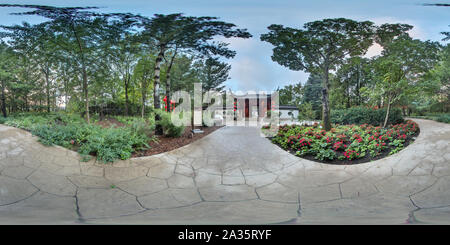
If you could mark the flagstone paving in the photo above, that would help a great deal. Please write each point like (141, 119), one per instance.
(232, 176)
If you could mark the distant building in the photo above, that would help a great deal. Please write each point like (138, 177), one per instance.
(257, 105)
(288, 112)
(252, 105)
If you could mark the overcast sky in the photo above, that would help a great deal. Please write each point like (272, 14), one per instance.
(252, 68)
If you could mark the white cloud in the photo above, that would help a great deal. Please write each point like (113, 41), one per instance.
(416, 32)
(373, 50)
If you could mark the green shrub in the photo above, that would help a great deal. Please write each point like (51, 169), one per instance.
(142, 127)
(169, 129)
(2, 120)
(29, 120)
(107, 144)
(445, 118)
(26, 122)
(55, 135)
(111, 144)
(71, 131)
(440, 117)
(361, 115)
(307, 112)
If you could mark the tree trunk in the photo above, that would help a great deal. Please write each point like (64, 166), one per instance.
(358, 84)
(126, 94)
(3, 100)
(348, 95)
(85, 80)
(325, 102)
(144, 86)
(143, 104)
(86, 94)
(169, 68)
(47, 80)
(387, 112)
(156, 98)
(66, 97)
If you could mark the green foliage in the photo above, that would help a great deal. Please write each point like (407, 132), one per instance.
(445, 118)
(312, 94)
(25, 122)
(320, 47)
(361, 115)
(213, 73)
(71, 131)
(169, 129)
(440, 117)
(107, 144)
(111, 144)
(306, 112)
(28, 121)
(2, 120)
(325, 154)
(290, 94)
(137, 124)
(348, 142)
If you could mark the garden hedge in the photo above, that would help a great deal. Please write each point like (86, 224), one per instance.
(361, 115)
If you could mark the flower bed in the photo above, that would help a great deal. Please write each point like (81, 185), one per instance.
(345, 144)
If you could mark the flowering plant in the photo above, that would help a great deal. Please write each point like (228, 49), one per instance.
(345, 142)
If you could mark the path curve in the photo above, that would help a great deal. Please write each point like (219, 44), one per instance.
(232, 176)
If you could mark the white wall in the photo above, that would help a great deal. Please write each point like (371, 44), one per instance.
(284, 114)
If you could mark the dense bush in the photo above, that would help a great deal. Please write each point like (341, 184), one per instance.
(71, 131)
(445, 118)
(440, 117)
(344, 142)
(169, 129)
(108, 144)
(137, 124)
(28, 121)
(306, 112)
(361, 115)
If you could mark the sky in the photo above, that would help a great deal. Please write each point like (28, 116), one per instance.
(252, 67)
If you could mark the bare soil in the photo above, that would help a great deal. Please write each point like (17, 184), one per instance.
(110, 122)
(164, 144)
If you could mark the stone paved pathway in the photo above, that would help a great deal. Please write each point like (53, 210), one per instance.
(232, 176)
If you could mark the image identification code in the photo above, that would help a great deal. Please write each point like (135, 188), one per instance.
(225, 235)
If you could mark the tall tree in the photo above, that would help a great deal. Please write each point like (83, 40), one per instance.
(213, 73)
(291, 94)
(319, 47)
(25, 41)
(403, 63)
(6, 72)
(143, 74)
(175, 32)
(351, 76)
(124, 55)
(77, 31)
(312, 93)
